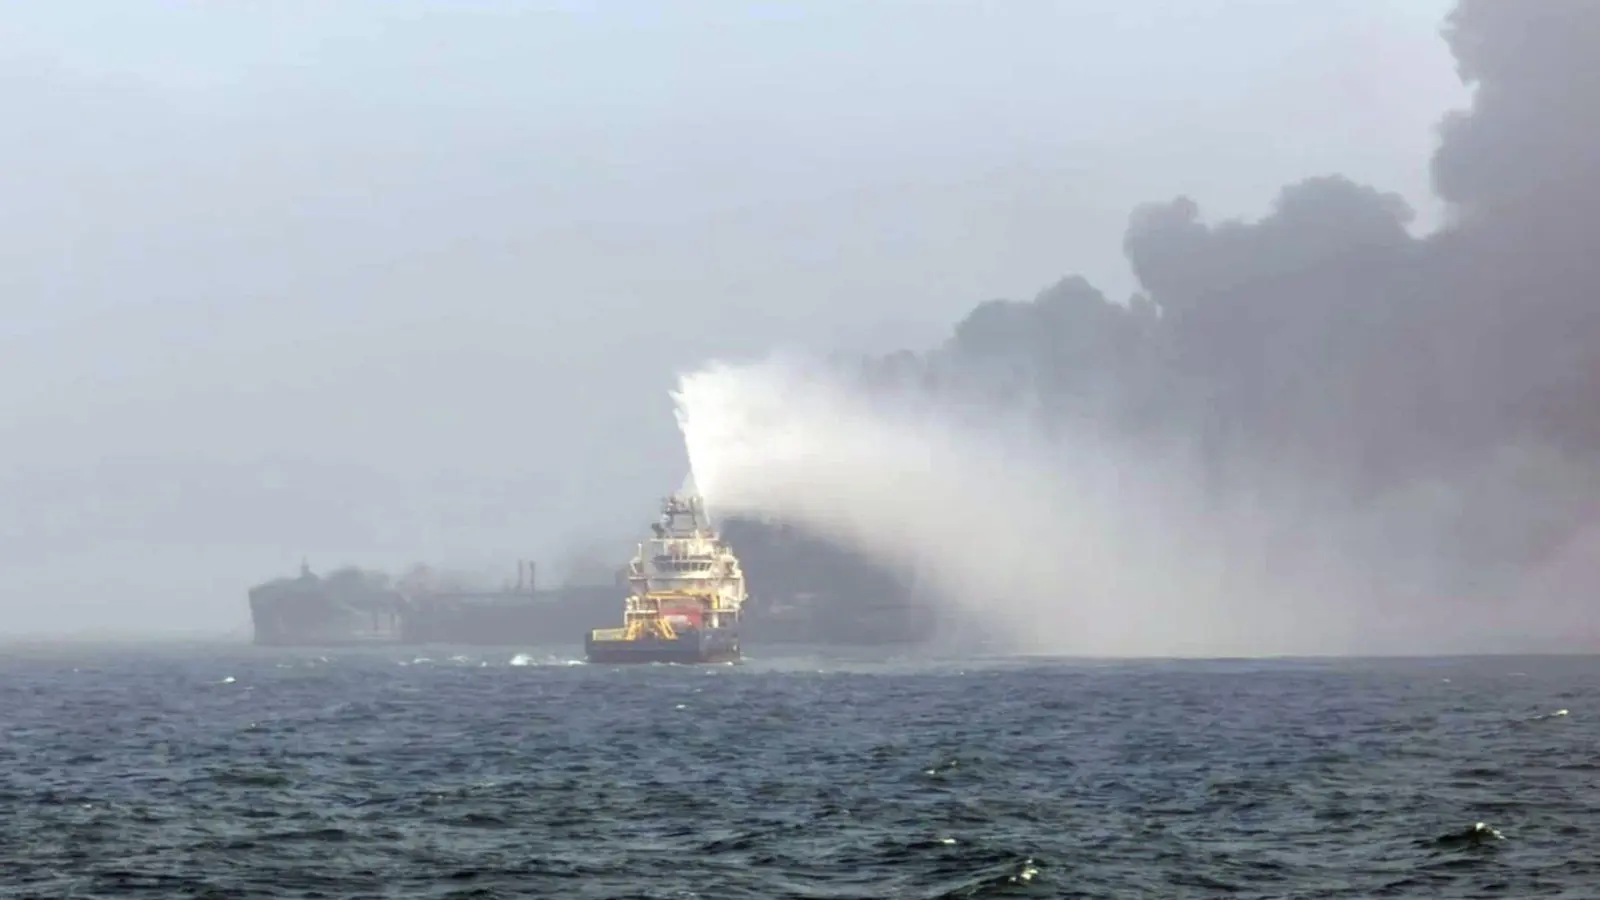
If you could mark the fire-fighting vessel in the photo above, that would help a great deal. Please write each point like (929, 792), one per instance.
(686, 593)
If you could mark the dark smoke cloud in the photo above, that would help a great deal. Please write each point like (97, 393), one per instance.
(1325, 332)
(1528, 140)
(1325, 340)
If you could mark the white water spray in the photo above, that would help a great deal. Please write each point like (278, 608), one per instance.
(1083, 549)
(1082, 545)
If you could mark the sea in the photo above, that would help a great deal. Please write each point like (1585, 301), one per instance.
(232, 771)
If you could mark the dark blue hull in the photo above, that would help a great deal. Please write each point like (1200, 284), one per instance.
(704, 645)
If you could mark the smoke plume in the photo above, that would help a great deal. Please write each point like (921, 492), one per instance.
(1309, 433)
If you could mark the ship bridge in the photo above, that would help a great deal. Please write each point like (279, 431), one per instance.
(685, 558)
(683, 517)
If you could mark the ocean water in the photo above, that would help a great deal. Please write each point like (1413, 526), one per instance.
(237, 772)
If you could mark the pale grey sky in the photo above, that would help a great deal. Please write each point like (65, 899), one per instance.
(395, 280)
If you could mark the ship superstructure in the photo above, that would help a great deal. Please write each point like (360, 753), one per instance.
(686, 594)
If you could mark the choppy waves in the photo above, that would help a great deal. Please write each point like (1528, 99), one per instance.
(476, 774)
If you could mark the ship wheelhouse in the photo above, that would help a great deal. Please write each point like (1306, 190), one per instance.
(684, 576)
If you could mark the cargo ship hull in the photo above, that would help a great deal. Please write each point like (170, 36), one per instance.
(688, 647)
(353, 607)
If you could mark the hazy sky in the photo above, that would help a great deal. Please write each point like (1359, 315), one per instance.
(392, 280)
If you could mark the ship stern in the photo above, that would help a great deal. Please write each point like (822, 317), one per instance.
(612, 646)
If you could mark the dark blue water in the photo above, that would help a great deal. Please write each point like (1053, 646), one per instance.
(230, 772)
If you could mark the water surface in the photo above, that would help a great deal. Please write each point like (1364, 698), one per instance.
(237, 772)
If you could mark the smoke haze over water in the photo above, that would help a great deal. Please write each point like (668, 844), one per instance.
(1310, 433)
(1074, 544)
(415, 301)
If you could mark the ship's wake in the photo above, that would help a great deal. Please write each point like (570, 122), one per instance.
(1081, 546)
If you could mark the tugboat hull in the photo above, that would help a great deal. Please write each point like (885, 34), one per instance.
(688, 647)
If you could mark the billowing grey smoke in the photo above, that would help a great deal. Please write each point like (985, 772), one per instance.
(1413, 424)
